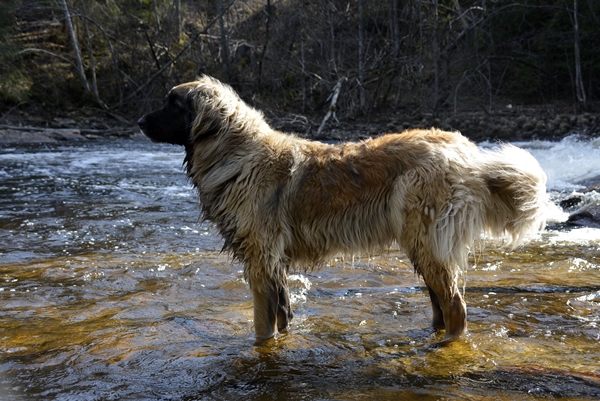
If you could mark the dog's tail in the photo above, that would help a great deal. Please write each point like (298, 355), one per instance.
(506, 199)
(518, 200)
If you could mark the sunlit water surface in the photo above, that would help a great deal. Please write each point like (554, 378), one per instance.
(111, 288)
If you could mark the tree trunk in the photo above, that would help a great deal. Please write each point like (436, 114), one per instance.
(579, 88)
(177, 20)
(333, 63)
(77, 53)
(268, 10)
(154, 6)
(361, 55)
(224, 39)
(94, 86)
(436, 58)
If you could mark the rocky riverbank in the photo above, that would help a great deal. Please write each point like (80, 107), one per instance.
(510, 125)
(32, 127)
(16, 134)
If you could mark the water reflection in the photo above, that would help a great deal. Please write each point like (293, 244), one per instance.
(110, 288)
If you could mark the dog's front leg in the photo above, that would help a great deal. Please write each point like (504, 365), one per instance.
(272, 308)
(266, 300)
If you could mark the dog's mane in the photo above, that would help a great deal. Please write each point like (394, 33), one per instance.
(223, 121)
(219, 109)
(229, 140)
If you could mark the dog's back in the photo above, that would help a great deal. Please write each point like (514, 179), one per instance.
(358, 196)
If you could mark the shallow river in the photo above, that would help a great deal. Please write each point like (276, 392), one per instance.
(112, 289)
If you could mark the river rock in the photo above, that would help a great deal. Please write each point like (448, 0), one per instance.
(591, 184)
(571, 202)
(588, 217)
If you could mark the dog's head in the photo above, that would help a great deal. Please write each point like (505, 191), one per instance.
(173, 122)
(193, 111)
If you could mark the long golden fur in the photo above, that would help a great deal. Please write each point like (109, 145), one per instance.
(282, 202)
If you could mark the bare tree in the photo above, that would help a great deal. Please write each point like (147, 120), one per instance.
(94, 83)
(436, 57)
(269, 10)
(224, 39)
(361, 54)
(74, 43)
(177, 20)
(579, 87)
(413, 56)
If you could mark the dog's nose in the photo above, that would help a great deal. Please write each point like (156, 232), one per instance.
(142, 122)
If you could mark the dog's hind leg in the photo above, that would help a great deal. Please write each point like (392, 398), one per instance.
(449, 309)
(438, 315)
(284, 308)
(455, 316)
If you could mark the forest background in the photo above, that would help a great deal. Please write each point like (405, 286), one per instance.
(501, 69)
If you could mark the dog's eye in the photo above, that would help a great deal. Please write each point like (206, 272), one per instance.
(176, 106)
(172, 99)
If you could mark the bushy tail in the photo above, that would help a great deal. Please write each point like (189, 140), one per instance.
(519, 201)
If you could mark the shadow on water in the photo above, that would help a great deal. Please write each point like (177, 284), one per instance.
(111, 289)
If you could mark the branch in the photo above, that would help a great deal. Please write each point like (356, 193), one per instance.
(185, 48)
(29, 50)
(332, 106)
(10, 111)
(510, 58)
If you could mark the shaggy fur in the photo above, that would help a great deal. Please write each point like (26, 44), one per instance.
(281, 202)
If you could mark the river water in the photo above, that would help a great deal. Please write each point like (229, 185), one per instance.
(111, 288)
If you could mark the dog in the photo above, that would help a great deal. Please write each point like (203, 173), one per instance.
(282, 202)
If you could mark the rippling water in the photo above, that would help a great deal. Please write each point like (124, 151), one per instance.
(111, 289)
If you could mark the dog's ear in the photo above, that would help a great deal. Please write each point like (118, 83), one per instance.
(205, 118)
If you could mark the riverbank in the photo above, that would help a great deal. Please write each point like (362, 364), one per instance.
(30, 134)
(509, 125)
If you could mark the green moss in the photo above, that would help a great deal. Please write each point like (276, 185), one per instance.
(14, 86)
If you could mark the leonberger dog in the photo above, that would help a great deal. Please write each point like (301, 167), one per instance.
(282, 202)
